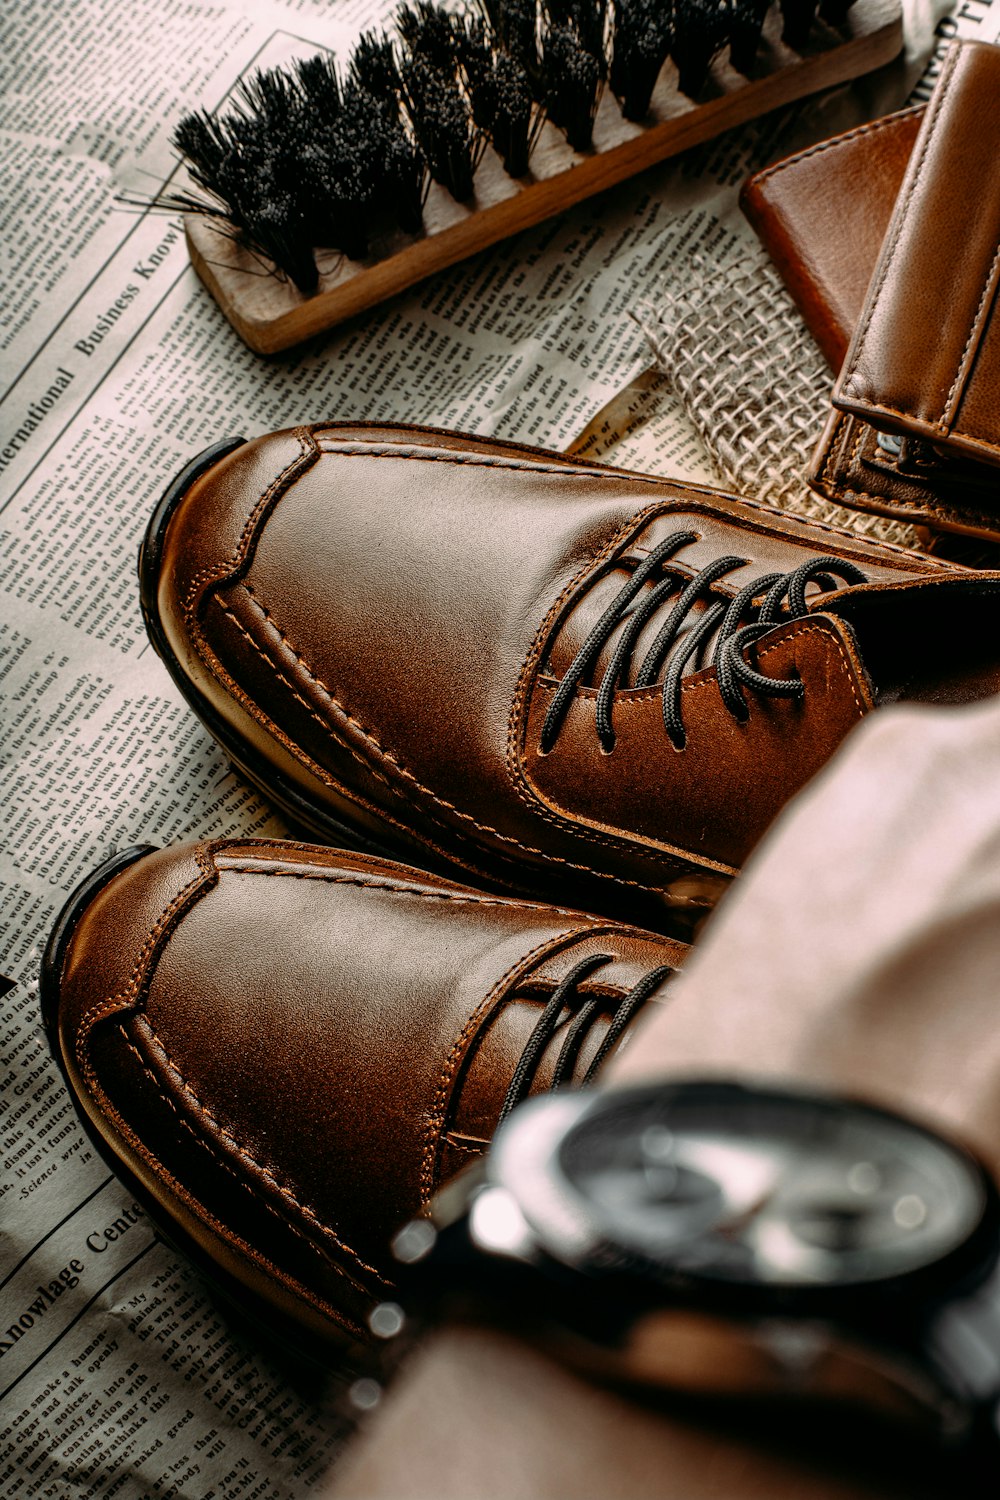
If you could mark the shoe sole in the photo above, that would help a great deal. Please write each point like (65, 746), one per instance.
(266, 1321)
(270, 782)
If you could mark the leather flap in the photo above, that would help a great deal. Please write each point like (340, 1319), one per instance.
(925, 358)
(823, 213)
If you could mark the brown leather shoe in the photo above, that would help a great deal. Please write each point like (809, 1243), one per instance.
(496, 658)
(284, 1049)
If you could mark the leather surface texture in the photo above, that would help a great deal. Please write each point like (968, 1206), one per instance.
(925, 357)
(383, 616)
(287, 1049)
(822, 215)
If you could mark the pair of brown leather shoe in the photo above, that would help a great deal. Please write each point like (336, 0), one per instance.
(581, 689)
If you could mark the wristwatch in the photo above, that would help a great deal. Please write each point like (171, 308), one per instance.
(727, 1240)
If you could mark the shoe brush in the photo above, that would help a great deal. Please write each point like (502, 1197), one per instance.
(325, 188)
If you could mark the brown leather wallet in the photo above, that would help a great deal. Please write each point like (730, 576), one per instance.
(915, 432)
(822, 215)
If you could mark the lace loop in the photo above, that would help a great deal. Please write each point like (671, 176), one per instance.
(782, 596)
(591, 648)
(566, 996)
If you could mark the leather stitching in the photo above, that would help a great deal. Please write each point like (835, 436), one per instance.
(409, 776)
(247, 1156)
(215, 572)
(703, 492)
(834, 480)
(439, 1099)
(483, 461)
(591, 925)
(947, 415)
(323, 723)
(939, 427)
(124, 998)
(872, 128)
(471, 899)
(891, 243)
(219, 1160)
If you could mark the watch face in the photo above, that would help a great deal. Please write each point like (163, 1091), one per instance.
(750, 1185)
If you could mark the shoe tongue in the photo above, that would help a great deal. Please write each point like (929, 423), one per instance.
(923, 638)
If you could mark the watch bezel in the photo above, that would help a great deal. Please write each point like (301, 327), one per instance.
(524, 1160)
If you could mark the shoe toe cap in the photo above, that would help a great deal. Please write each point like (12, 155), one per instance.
(206, 524)
(182, 1075)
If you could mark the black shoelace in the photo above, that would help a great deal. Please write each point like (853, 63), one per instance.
(566, 996)
(740, 621)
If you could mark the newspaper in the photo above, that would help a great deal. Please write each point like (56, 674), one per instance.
(121, 1374)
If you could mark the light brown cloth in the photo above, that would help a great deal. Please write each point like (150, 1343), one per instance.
(860, 949)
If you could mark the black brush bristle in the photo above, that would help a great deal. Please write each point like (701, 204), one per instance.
(745, 26)
(701, 30)
(572, 83)
(338, 178)
(588, 19)
(515, 23)
(271, 98)
(499, 93)
(476, 59)
(244, 165)
(406, 180)
(319, 83)
(274, 227)
(373, 83)
(643, 32)
(201, 139)
(373, 68)
(255, 180)
(798, 16)
(335, 172)
(442, 124)
(317, 154)
(516, 121)
(429, 32)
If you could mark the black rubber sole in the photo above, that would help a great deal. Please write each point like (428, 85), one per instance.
(275, 1327)
(270, 782)
(54, 955)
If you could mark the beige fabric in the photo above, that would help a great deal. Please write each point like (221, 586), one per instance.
(861, 947)
(733, 346)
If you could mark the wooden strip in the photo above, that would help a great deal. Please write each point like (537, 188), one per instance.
(270, 314)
